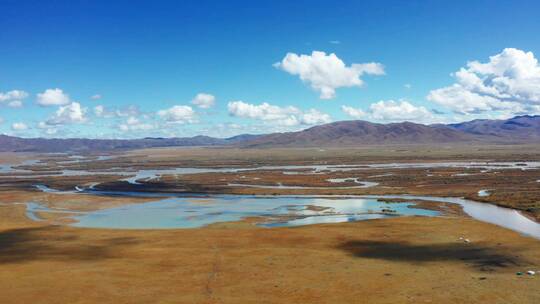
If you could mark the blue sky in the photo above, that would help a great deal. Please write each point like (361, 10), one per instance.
(135, 68)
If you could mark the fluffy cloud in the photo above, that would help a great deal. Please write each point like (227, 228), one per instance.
(13, 98)
(47, 129)
(99, 111)
(399, 111)
(392, 111)
(134, 124)
(353, 112)
(51, 131)
(15, 104)
(178, 114)
(133, 119)
(129, 111)
(69, 114)
(263, 111)
(13, 95)
(204, 101)
(53, 97)
(19, 126)
(509, 82)
(284, 116)
(325, 73)
(314, 117)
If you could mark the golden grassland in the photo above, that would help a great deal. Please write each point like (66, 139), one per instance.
(398, 260)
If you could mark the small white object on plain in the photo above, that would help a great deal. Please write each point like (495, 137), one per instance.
(530, 272)
(467, 241)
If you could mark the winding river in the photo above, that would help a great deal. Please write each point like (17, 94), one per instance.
(181, 211)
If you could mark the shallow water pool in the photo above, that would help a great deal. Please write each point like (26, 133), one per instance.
(282, 211)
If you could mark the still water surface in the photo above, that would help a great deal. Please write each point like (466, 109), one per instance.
(278, 211)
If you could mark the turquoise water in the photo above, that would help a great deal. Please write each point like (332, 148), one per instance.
(276, 211)
(483, 192)
(280, 211)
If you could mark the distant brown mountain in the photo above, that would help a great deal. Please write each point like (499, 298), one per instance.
(17, 144)
(358, 133)
(520, 129)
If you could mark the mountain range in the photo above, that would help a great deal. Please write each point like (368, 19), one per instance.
(17, 144)
(520, 129)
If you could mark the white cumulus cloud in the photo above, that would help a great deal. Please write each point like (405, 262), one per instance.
(204, 100)
(53, 97)
(314, 117)
(47, 129)
(326, 73)
(70, 114)
(13, 98)
(15, 104)
(508, 82)
(135, 124)
(19, 126)
(13, 95)
(99, 111)
(264, 111)
(51, 131)
(128, 111)
(178, 114)
(353, 112)
(391, 111)
(284, 116)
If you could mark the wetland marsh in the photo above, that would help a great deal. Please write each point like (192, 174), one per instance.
(351, 212)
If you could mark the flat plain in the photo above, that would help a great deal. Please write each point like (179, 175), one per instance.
(411, 259)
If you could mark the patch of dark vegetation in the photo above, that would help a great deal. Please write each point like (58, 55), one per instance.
(156, 186)
(477, 256)
(43, 243)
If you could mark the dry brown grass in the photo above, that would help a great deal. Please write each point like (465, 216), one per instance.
(399, 260)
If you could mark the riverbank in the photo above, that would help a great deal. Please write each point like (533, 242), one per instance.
(509, 172)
